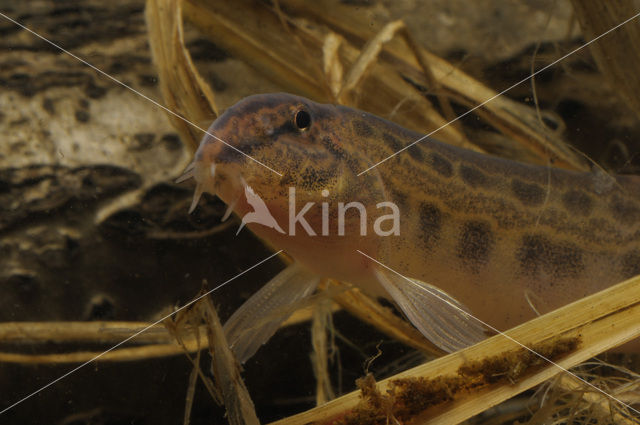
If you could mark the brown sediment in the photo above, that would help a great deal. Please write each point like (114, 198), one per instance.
(408, 397)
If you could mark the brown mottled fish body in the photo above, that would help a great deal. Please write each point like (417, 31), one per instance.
(497, 235)
(490, 231)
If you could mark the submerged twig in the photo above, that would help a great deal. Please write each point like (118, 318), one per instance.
(323, 348)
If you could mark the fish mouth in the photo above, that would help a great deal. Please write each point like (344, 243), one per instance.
(205, 177)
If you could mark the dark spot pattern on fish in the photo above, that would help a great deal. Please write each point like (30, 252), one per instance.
(475, 244)
(362, 129)
(473, 177)
(529, 194)
(391, 141)
(539, 255)
(430, 223)
(577, 202)
(441, 165)
(631, 264)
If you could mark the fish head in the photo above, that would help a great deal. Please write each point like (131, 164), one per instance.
(292, 153)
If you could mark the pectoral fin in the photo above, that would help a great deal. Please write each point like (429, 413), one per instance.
(261, 315)
(437, 315)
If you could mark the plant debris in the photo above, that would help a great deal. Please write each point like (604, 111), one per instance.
(408, 397)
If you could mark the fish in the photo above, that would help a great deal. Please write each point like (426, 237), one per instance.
(260, 212)
(448, 234)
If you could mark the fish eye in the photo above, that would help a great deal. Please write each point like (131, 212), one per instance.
(302, 120)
